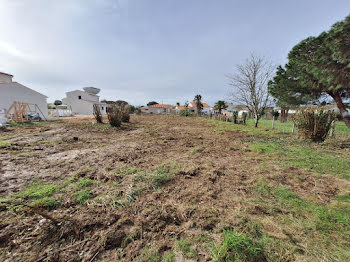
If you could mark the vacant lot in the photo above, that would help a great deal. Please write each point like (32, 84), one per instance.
(169, 188)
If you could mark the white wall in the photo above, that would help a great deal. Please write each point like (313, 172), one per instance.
(15, 92)
(84, 105)
(74, 95)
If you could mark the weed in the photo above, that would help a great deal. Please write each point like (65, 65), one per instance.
(160, 178)
(150, 256)
(170, 257)
(46, 202)
(84, 182)
(126, 171)
(185, 245)
(238, 247)
(37, 191)
(262, 187)
(4, 144)
(82, 196)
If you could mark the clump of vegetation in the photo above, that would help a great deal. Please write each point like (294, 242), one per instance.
(82, 196)
(238, 247)
(314, 123)
(125, 113)
(185, 245)
(115, 116)
(84, 182)
(37, 191)
(48, 202)
(97, 114)
(185, 113)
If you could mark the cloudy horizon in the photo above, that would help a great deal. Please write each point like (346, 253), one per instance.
(140, 51)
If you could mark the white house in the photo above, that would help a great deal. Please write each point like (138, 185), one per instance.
(15, 92)
(158, 109)
(207, 109)
(82, 102)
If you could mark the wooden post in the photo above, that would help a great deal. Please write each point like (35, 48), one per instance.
(273, 122)
(331, 131)
(293, 128)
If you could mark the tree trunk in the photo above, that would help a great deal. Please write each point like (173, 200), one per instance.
(256, 121)
(284, 114)
(343, 111)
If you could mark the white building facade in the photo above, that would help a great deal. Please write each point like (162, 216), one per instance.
(15, 92)
(82, 102)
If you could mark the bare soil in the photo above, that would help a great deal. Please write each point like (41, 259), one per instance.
(215, 172)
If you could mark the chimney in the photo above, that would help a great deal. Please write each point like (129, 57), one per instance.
(5, 78)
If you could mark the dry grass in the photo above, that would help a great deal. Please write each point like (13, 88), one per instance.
(167, 188)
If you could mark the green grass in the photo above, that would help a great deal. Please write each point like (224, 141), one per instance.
(4, 144)
(48, 202)
(82, 196)
(237, 246)
(84, 182)
(185, 246)
(306, 157)
(160, 178)
(286, 127)
(37, 191)
(126, 171)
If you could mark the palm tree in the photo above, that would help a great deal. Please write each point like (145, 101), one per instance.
(220, 105)
(198, 101)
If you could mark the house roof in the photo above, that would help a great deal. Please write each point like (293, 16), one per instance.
(81, 91)
(161, 106)
(180, 107)
(9, 85)
(193, 104)
(2, 73)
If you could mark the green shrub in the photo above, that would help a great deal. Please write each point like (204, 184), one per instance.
(185, 113)
(238, 247)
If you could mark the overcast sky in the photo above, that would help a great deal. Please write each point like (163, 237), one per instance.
(143, 50)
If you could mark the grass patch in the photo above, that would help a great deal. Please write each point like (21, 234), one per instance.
(160, 178)
(237, 246)
(37, 191)
(185, 246)
(84, 182)
(47, 202)
(4, 144)
(309, 158)
(83, 196)
(126, 171)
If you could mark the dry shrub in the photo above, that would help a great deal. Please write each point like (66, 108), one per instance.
(114, 116)
(314, 123)
(97, 114)
(125, 109)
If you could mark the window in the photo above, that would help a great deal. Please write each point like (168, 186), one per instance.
(79, 97)
(102, 108)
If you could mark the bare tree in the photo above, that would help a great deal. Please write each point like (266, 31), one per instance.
(250, 85)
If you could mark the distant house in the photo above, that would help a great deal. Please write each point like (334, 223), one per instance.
(159, 109)
(82, 102)
(207, 109)
(232, 108)
(15, 92)
(178, 108)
